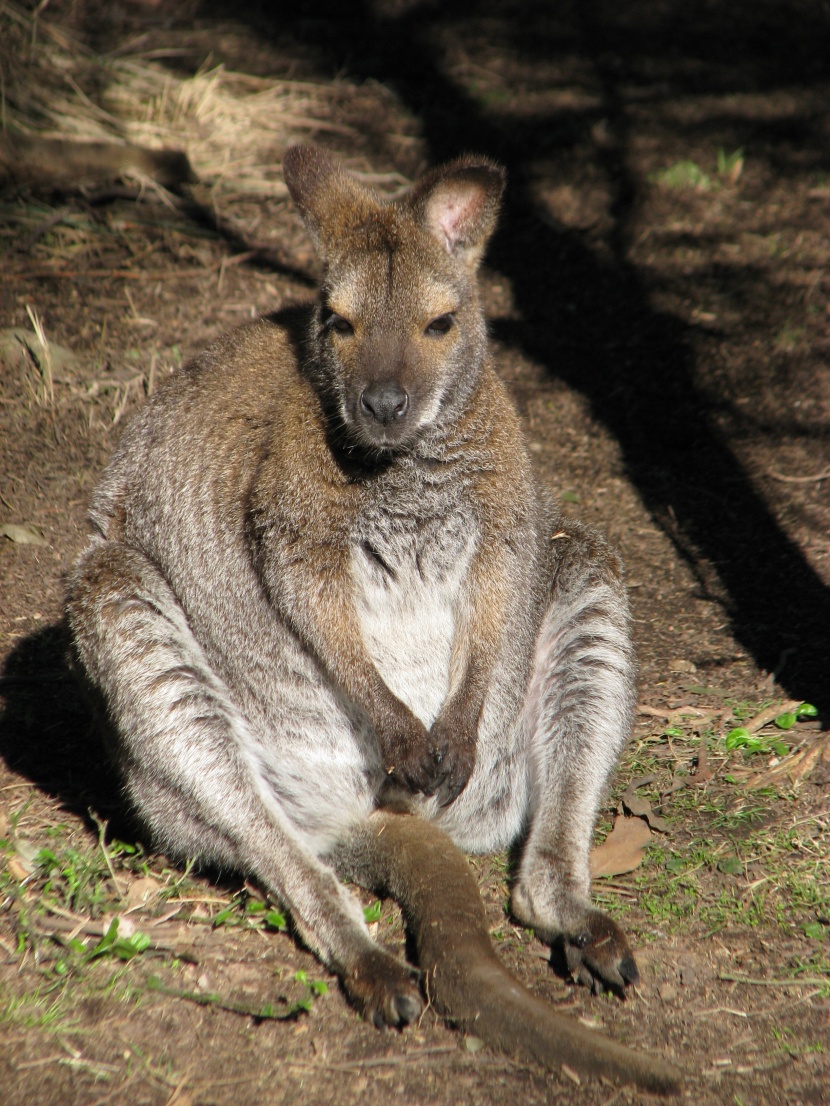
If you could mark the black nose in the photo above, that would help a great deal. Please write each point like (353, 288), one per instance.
(384, 402)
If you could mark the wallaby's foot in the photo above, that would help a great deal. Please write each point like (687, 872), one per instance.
(597, 953)
(385, 990)
(594, 947)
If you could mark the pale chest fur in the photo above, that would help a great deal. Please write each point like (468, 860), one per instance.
(409, 580)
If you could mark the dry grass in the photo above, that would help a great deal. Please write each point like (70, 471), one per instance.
(234, 127)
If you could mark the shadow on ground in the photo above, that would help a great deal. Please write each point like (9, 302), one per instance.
(48, 734)
(587, 316)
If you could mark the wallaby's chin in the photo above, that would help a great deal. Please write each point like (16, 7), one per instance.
(374, 438)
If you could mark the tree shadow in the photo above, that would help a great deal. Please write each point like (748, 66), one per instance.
(48, 734)
(586, 316)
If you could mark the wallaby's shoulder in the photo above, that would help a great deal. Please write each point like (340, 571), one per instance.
(215, 419)
(254, 367)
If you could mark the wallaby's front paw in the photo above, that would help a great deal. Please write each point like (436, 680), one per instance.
(456, 755)
(409, 754)
(384, 990)
(598, 955)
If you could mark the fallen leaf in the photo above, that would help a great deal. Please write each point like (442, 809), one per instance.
(22, 533)
(641, 808)
(141, 893)
(18, 347)
(681, 665)
(622, 849)
(473, 1044)
(27, 854)
(17, 869)
(702, 773)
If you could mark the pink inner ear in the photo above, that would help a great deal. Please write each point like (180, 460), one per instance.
(454, 212)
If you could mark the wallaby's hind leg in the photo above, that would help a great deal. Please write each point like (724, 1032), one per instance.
(578, 713)
(196, 773)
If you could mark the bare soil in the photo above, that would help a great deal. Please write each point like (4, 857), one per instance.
(659, 296)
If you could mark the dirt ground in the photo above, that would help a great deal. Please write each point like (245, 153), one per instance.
(659, 296)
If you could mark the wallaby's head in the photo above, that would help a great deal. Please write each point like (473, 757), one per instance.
(399, 336)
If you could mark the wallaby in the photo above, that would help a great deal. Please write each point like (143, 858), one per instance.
(340, 630)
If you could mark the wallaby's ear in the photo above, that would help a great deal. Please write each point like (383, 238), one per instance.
(458, 204)
(329, 199)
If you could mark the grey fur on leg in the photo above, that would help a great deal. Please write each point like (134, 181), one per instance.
(578, 712)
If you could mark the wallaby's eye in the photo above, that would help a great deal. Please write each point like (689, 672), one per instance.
(441, 325)
(338, 323)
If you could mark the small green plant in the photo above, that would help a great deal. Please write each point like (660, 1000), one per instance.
(684, 175)
(124, 948)
(730, 166)
(372, 913)
(316, 987)
(741, 738)
(250, 913)
(789, 337)
(77, 878)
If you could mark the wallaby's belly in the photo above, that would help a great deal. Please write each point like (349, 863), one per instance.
(408, 600)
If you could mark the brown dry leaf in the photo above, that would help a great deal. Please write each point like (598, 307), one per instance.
(703, 773)
(142, 893)
(20, 348)
(22, 533)
(17, 869)
(641, 808)
(622, 849)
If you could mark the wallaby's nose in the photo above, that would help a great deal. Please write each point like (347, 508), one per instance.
(384, 402)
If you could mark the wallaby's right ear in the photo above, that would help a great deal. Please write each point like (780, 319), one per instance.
(458, 204)
(329, 199)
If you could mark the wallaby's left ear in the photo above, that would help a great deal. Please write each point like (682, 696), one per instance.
(329, 199)
(459, 203)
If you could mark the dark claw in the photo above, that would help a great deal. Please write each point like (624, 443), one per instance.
(408, 1008)
(449, 791)
(597, 954)
(628, 970)
(386, 990)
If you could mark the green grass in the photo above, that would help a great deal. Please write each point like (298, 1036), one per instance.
(748, 858)
(39, 1009)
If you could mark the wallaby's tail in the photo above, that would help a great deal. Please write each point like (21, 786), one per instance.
(418, 865)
